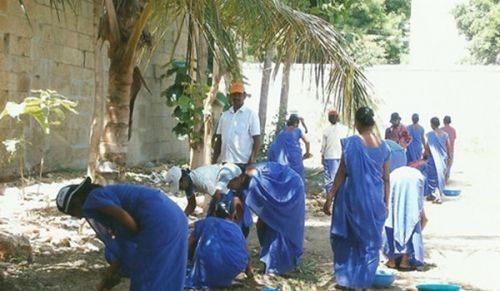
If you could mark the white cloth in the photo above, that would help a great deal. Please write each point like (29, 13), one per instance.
(237, 130)
(205, 178)
(330, 143)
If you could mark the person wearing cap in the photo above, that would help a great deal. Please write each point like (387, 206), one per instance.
(143, 232)
(238, 131)
(286, 148)
(415, 148)
(397, 132)
(200, 180)
(275, 193)
(452, 135)
(217, 250)
(331, 149)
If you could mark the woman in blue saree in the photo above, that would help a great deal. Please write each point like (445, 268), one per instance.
(218, 250)
(436, 151)
(275, 193)
(361, 192)
(416, 146)
(403, 242)
(286, 149)
(142, 229)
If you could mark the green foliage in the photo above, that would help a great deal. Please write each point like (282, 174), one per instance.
(47, 109)
(187, 98)
(376, 30)
(479, 21)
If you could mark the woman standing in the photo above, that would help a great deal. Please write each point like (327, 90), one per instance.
(286, 148)
(436, 151)
(142, 229)
(361, 192)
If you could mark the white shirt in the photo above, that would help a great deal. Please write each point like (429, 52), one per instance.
(204, 178)
(237, 130)
(330, 143)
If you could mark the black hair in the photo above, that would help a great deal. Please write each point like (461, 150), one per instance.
(414, 116)
(292, 120)
(222, 210)
(447, 119)
(365, 116)
(333, 119)
(435, 122)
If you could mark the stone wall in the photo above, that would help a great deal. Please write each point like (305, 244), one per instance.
(56, 52)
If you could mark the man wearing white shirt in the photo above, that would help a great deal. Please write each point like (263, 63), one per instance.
(238, 131)
(210, 180)
(331, 149)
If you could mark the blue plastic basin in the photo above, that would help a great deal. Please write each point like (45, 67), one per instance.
(451, 192)
(438, 287)
(383, 278)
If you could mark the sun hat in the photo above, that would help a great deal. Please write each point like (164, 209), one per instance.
(67, 193)
(228, 172)
(395, 116)
(174, 175)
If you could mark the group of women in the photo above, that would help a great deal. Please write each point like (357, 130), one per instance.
(146, 234)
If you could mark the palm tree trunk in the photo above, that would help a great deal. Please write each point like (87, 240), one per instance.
(114, 141)
(97, 119)
(264, 89)
(285, 87)
(122, 52)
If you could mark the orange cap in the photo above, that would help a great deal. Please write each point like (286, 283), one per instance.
(237, 87)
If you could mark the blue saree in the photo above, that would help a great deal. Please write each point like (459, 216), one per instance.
(414, 149)
(220, 254)
(402, 233)
(359, 214)
(286, 150)
(437, 162)
(398, 155)
(276, 194)
(160, 258)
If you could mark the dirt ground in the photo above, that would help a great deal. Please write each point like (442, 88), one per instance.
(462, 239)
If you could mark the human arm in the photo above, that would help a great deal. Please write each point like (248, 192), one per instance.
(110, 277)
(121, 215)
(387, 183)
(387, 133)
(303, 124)
(191, 205)
(237, 215)
(255, 149)
(217, 148)
(308, 147)
(423, 220)
(337, 182)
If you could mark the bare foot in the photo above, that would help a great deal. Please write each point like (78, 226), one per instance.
(391, 264)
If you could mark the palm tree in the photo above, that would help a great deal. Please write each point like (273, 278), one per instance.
(126, 24)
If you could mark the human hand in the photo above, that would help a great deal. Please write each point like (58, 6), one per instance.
(307, 156)
(327, 207)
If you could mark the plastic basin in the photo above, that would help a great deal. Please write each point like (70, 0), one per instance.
(383, 278)
(451, 192)
(438, 287)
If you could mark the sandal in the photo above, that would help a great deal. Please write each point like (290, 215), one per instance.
(437, 201)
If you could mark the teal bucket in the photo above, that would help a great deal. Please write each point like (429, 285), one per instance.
(438, 287)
